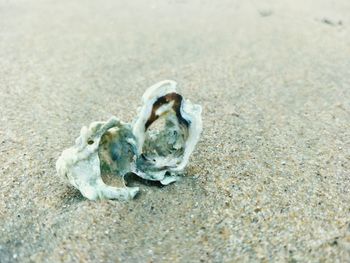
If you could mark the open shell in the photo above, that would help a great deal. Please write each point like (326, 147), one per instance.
(163, 154)
(121, 148)
(80, 164)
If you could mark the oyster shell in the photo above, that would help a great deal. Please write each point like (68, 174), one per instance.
(80, 164)
(163, 154)
(120, 148)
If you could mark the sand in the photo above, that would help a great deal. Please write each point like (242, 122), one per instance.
(270, 178)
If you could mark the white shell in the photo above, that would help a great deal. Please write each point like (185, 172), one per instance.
(80, 164)
(188, 111)
(122, 148)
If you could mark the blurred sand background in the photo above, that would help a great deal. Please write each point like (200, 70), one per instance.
(270, 178)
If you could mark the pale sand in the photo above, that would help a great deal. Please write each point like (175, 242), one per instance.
(270, 178)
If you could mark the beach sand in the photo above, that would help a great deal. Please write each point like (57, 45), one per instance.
(270, 178)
